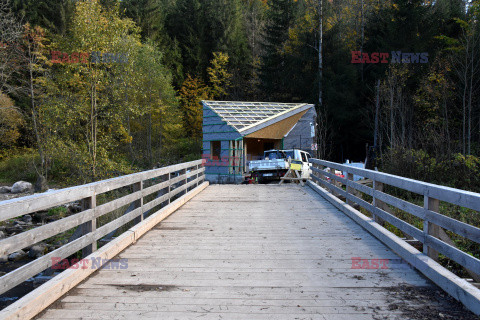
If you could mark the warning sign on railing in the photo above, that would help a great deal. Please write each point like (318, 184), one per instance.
(314, 146)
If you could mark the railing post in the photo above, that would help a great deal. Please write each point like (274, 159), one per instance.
(377, 186)
(186, 181)
(350, 189)
(332, 181)
(89, 226)
(139, 203)
(430, 228)
(169, 186)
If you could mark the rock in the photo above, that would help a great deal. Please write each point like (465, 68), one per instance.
(5, 189)
(27, 218)
(2, 235)
(37, 250)
(4, 258)
(16, 255)
(41, 184)
(21, 186)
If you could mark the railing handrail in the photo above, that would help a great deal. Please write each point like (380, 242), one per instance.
(41, 201)
(432, 235)
(429, 213)
(455, 196)
(192, 174)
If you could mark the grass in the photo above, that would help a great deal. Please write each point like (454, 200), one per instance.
(57, 212)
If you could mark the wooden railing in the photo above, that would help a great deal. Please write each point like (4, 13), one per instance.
(158, 187)
(433, 236)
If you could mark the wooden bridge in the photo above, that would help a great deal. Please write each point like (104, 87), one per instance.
(188, 250)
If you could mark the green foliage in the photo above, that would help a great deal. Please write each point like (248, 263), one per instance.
(460, 171)
(274, 80)
(50, 14)
(218, 76)
(97, 120)
(192, 92)
(16, 165)
(57, 212)
(11, 121)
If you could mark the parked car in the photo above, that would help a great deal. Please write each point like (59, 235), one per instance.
(275, 164)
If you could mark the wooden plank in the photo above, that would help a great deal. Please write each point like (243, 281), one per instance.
(350, 189)
(117, 203)
(17, 207)
(445, 238)
(453, 285)
(459, 197)
(429, 228)
(29, 270)
(401, 204)
(330, 186)
(89, 226)
(29, 237)
(275, 267)
(37, 300)
(458, 227)
(331, 175)
(396, 222)
(457, 255)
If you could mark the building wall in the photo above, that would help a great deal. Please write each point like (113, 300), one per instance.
(300, 136)
(216, 129)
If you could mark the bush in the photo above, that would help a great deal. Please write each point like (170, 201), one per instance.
(462, 172)
(19, 165)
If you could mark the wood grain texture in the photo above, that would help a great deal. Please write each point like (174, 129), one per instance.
(37, 300)
(449, 282)
(245, 252)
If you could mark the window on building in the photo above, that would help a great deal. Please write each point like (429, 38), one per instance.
(215, 149)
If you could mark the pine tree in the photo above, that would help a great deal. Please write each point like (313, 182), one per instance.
(274, 62)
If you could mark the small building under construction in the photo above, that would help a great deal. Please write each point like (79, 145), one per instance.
(235, 133)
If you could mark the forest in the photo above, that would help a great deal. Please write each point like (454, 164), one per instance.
(97, 88)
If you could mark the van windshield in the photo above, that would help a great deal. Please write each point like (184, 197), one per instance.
(272, 155)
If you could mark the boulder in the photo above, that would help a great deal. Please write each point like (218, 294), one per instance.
(37, 250)
(21, 186)
(16, 255)
(4, 258)
(5, 189)
(2, 235)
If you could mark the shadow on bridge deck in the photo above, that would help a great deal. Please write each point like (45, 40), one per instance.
(257, 252)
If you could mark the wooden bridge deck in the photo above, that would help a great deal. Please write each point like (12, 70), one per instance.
(247, 252)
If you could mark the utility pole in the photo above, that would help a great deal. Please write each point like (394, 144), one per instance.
(320, 117)
(363, 35)
(377, 107)
(320, 58)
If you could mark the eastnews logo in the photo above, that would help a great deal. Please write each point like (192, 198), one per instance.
(394, 56)
(93, 263)
(85, 57)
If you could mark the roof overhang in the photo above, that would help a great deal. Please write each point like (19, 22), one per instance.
(280, 117)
